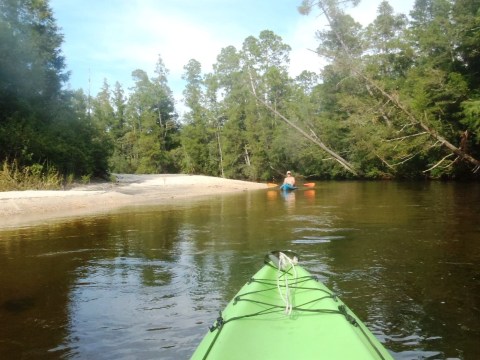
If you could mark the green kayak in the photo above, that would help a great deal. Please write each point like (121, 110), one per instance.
(284, 312)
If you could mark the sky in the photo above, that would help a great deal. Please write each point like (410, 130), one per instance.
(109, 39)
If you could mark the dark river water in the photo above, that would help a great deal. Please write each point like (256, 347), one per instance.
(146, 282)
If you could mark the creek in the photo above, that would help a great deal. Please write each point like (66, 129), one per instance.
(145, 282)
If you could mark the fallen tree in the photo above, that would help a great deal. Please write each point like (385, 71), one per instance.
(329, 9)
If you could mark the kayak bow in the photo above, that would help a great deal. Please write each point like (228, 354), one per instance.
(283, 312)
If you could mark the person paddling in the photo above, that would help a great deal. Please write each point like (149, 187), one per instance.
(289, 181)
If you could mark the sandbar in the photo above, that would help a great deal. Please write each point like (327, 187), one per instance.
(20, 208)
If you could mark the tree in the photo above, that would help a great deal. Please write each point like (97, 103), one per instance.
(231, 87)
(265, 69)
(39, 122)
(418, 109)
(196, 135)
(120, 160)
(31, 74)
(152, 123)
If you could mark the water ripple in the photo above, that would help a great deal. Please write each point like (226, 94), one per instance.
(316, 240)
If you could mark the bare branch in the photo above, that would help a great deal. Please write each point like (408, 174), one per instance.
(314, 138)
(407, 159)
(438, 163)
(384, 161)
(406, 137)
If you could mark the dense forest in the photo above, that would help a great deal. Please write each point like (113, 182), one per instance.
(398, 99)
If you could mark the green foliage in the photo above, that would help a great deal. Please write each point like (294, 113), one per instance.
(39, 122)
(388, 97)
(141, 130)
(86, 179)
(197, 136)
(35, 177)
(471, 119)
(400, 88)
(397, 99)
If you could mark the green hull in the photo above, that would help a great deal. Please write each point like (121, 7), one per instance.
(254, 325)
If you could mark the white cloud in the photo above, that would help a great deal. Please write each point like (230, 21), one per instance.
(134, 37)
(301, 38)
(172, 35)
(112, 38)
(366, 11)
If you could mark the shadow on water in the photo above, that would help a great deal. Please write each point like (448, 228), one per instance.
(17, 305)
(146, 282)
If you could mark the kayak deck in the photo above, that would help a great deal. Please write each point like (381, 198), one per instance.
(288, 187)
(256, 323)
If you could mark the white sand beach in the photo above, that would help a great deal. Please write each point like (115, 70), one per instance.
(19, 208)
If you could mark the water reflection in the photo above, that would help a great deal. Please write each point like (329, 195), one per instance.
(289, 199)
(272, 195)
(146, 282)
(310, 195)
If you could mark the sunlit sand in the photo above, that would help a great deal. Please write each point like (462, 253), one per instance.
(23, 207)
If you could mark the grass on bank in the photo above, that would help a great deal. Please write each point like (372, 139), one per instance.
(34, 177)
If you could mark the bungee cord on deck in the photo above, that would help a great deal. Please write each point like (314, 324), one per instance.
(287, 283)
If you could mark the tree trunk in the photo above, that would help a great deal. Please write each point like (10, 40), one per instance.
(220, 152)
(313, 138)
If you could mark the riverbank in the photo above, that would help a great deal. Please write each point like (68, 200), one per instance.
(18, 208)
